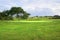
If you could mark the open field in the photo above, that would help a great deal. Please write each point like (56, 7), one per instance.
(36, 30)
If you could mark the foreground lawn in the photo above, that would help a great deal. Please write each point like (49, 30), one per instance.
(30, 30)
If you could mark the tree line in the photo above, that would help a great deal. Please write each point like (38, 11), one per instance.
(17, 12)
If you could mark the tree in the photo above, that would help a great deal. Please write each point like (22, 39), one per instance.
(56, 17)
(18, 11)
(25, 15)
(0, 15)
(6, 15)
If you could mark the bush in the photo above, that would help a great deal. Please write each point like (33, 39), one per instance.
(56, 17)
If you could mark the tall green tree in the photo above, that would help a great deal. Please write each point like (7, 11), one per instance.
(18, 11)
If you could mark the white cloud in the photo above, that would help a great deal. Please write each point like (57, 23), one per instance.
(53, 5)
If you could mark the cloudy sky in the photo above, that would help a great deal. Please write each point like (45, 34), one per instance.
(34, 7)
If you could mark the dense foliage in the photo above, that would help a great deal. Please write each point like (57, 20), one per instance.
(56, 17)
(17, 11)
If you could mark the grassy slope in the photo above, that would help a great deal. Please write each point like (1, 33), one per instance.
(30, 31)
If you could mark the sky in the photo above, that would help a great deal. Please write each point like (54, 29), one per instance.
(34, 7)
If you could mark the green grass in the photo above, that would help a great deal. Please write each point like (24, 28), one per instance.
(30, 30)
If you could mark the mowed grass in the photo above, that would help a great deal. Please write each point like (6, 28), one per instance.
(30, 30)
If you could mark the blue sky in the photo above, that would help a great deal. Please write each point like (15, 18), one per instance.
(34, 7)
